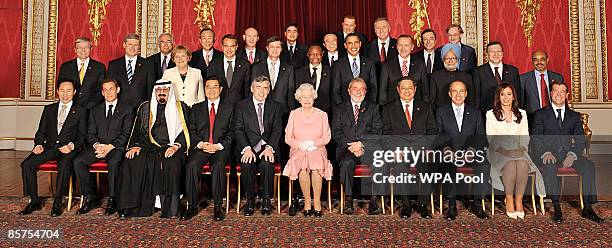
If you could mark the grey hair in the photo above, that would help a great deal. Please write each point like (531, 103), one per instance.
(260, 79)
(357, 79)
(303, 88)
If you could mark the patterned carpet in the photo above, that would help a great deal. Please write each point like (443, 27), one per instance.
(360, 230)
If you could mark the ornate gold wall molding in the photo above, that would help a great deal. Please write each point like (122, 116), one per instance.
(604, 49)
(419, 12)
(52, 48)
(456, 11)
(529, 10)
(24, 48)
(469, 22)
(589, 51)
(205, 10)
(575, 49)
(97, 14)
(139, 18)
(485, 29)
(153, 18)
(37, 47)
(167, 25)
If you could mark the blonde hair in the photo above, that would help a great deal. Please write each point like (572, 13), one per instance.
(303, 88)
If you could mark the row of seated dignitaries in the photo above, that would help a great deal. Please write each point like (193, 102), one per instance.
(146, 151)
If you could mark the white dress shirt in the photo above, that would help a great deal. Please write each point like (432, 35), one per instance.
(319, 69)
(500, 69)
(410, 107)
(84, 62)
(114, 103)
(455, 109)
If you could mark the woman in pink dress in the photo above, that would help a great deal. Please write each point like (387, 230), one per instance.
(307, 133)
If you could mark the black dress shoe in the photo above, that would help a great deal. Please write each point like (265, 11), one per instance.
(266, 207)
(451, 213)
(31, 207)
(318, 214)
(249, 209)
(295, 207)
(477, 210)
(110, 207)
(348, 209)
(557, 217)
(56, 210)
(88, 205)
(189, 213)
(308, 213)
(123, 215)
(373, 209)
(219, 215)
(425, 214)
(406, 211)
(591, 215)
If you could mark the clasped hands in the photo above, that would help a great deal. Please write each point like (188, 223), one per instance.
(101, 150)
(356, 148)
(307, 145)
(249, 155)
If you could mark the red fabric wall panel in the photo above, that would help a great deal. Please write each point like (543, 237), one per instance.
(550, 34)
(187, 33)
(10, 30)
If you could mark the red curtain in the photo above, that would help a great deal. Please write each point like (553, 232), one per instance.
(314, 17)
(187, 33)
(10, 31)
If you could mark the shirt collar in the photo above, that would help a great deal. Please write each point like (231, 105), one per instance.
(500, 65)
(255, 101)
(408, 102)
(225, 59)
(462, 106)
(270, 61)
(310, 65)
(401, 60)
(68, 105)
(354, 103)
(114, 103)
(79, 61)
(127, 59)
(537, 73)
(385, 41)
(351, 58)
(216, 102)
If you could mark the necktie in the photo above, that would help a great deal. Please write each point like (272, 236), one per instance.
(61, 118)
(207, 58)
(229, 73)
(429, 63)
(559, 118)
(408, 118)
(130, 71)
(313, 77)
(165, 63)
(109, 114)
(459, 117)
(261, 125)
(543, 92)
(82, 73)
(356, 113)
(331, 60)
(497, 76)
(251, 60)
(291, 51)
(273, 74)
(405, 68)
(383, 54)
(355, 69)
(211, 118)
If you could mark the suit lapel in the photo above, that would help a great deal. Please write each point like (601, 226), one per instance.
(266, 118)
(54, 115)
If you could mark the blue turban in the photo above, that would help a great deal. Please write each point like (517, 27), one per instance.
(456, 49)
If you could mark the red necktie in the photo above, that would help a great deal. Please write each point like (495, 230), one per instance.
(408, 118)
(497, 76)
(543, 91)
(383, 55)
(356, 113)
(405, 68)
(251, 56)
(211, 118)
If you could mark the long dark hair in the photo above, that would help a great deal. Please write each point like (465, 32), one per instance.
(497, 108)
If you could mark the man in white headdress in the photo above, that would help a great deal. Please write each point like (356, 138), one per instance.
(155, 156)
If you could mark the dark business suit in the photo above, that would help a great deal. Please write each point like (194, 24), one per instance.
(325, 59)
(104, 130)
(419, 135)
(559, 141)
(472, 135)
(155, 60)
(197, 60)
(439, 83)
(199, 130)
(258, 56)
(372, 51)
(485, 84)
(284, 89)
(239, 87)
(298, 59)
(344, 130)
(342, 76)
(324, 100)
(468, 58)
(392, 73)
(437, 63)
(531, 93)
(140, 89)
(73, 131)
(88, 92)
(247, 133)
(342, 50)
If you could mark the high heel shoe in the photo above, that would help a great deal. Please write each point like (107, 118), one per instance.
(520, 215)
(308, 213)
(513, 215)
(318, 213)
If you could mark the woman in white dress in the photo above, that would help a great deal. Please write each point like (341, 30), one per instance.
(187, 81)
(508, 135)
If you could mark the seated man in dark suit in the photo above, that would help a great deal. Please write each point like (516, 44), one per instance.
(134, 73)
(108, 131)
(257, 130)
(235, 71)
(59, 137)
(250, 52)
(409, 117)
(462, 129)
(352, 66)
(210, 128)
(488, 76)
(353, 120)
(293, 53)
(317, 74)
(86, 72)
(536, 84)
(201, 58)
(163, 59)
(560, 142)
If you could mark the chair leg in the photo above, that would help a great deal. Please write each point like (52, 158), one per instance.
(227, 191)
(238, 201)
(341, 199)
(290, 192)
(51, 184)
(81, 203)
(562, 187)
(492, 202)
(392, 201)
(542, 205)
(382, 203)
(98, 182)
(581, 196)
(440, 199)
(278, 200)
(329, 199)
(533, 204)
(431, 201)
(69, 194)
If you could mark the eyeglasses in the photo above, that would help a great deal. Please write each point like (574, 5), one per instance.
(450, 59)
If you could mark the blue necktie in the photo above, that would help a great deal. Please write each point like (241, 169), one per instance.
(354, 68)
